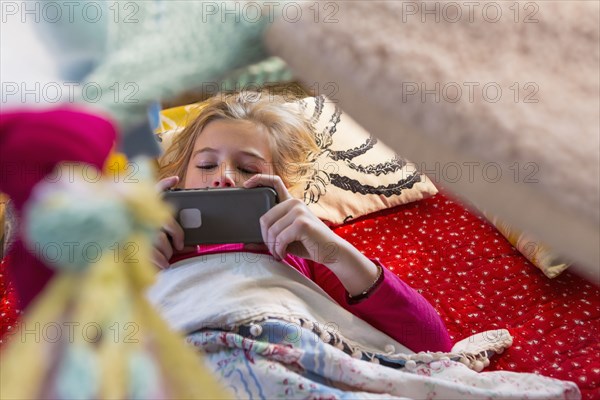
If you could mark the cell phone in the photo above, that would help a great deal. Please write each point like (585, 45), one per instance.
(223, 215)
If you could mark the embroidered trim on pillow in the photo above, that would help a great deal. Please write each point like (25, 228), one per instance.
(354, 173)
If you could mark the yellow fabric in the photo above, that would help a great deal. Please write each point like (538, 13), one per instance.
(24, 362)
(3, 201)
(538, 253)
(115, 163)
(110, 296)
(178, 117)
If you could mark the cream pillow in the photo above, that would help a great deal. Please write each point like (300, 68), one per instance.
(355, 174)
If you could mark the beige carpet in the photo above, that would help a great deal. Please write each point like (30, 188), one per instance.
(497, 101)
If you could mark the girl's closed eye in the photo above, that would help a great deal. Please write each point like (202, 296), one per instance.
(248, 171)
(244, 170)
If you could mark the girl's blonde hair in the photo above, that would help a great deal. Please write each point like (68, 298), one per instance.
(291, 138)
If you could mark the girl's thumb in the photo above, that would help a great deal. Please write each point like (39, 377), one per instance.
(167, 183)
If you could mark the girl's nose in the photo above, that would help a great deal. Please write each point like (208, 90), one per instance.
(223, 181)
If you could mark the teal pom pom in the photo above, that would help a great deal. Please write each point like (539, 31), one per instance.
(78, 375)
(74, 228)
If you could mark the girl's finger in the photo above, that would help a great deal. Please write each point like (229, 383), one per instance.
(275, 230)
(164, 246)
(167, 183)
(159, 259)
(175, 231)
(186, 249)
(273, 181)
(275, 214)
(285, 238)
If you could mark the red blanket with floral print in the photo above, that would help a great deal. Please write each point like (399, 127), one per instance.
(477, 281)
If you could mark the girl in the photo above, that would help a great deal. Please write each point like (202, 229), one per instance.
(251, 139)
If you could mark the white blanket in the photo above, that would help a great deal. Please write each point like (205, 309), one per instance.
(229, 289)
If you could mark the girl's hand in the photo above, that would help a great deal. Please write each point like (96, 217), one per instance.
(170, 238)
(290, 227)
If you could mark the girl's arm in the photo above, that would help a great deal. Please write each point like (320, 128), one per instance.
(392, 306)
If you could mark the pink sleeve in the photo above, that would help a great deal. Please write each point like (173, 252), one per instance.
(394, 308)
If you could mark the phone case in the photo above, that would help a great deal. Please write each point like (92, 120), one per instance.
(228, 215)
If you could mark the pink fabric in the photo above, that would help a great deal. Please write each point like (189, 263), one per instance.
(393, 307)
(31, 145)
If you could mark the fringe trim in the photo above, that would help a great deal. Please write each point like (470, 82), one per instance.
(476, 358)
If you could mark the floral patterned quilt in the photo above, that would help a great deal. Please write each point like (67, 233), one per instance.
(285, 361)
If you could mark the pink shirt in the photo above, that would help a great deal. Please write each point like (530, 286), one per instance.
(393, 307)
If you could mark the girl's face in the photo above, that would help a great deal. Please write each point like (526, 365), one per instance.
(228, 153)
